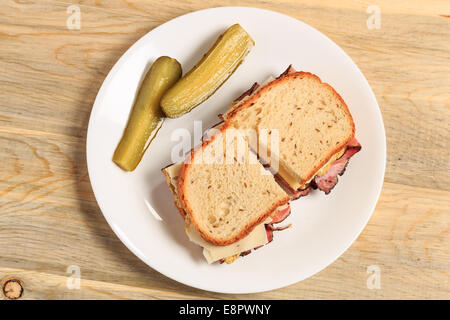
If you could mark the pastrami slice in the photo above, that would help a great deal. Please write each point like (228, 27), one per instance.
(329, 180)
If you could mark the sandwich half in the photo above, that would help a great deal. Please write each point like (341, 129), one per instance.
(315, 128)
(228, 200)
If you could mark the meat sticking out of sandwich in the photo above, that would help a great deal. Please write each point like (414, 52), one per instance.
(228, 200)
(316, 129)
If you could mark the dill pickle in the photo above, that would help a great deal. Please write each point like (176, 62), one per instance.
(209, 73)
(146, 116)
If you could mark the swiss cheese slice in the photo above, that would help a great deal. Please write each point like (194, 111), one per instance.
(212, 253)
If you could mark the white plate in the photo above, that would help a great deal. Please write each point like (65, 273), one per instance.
(138, 205)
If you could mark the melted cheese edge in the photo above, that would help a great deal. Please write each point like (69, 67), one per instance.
(213, 253)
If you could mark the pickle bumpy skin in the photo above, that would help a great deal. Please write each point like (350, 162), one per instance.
(146, 116)
(209, 73)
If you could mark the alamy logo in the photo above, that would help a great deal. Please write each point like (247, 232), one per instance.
(74, 280)
(229, 146)
(374, 20)
(374, 280)
(73, 22)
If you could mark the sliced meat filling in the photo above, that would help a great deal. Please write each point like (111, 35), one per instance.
(277, 217)
(295, 194)
(329, 180)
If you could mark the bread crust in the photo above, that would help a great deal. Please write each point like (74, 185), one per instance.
(286, 76)
(169, 183)
(181, 192)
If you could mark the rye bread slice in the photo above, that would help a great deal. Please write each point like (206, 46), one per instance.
(227, 198)
(313, 122)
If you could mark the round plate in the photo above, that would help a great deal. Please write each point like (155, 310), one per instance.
(139, 206)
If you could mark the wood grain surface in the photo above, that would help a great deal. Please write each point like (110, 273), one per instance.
(50, 75)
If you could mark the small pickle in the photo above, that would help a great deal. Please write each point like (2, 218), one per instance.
(146, 116)
(209, 73)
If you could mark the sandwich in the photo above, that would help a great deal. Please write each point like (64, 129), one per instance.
(228, 200)
(316, 130)
(232, 198)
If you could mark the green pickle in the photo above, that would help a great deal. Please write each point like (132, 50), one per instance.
(209, 73)
(146, 116)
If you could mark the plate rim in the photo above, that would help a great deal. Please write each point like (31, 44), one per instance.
(172, 275)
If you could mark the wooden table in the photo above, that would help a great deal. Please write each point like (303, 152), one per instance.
(50, 75)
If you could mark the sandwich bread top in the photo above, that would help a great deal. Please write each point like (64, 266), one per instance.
(225, 190)
(312, 120)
